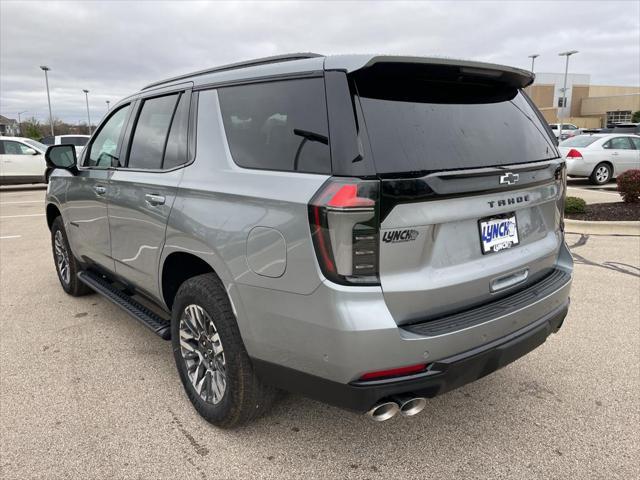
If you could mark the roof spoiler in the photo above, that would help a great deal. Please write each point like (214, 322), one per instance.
(513, 77)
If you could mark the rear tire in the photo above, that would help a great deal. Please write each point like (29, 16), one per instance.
(601, 174)
(67, 267)
(212, 362)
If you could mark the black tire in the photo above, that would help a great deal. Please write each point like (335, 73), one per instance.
(245, 397)
(69, 281)
(601, 174)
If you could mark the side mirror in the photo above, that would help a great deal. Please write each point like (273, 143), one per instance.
(61, 156)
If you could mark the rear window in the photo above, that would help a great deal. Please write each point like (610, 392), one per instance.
(579, 141)
(77, 141)
(278, 125)
(418, 124)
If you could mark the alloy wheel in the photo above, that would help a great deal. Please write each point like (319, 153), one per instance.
(62, 257)
(602, 174)
(202, 352)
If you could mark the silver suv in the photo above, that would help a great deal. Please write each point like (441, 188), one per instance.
(369, 231)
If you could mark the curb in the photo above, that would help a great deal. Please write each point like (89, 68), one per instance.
(602, 228)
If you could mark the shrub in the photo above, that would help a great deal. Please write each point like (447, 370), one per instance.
(629, 186)
(575, 205)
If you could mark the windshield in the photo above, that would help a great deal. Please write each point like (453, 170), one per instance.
(35, 144)
(579, 141)
(423, 125)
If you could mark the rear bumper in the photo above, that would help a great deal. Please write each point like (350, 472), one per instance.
(442, 376)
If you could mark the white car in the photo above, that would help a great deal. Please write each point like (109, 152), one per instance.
(568, 130)
(78, 141)
(601, 157)
(22, 161)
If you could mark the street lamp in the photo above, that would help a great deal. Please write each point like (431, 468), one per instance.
(86, 96)
(46, 79)
(107, 102)
(564, 90)
(19, 121)
(533, 59)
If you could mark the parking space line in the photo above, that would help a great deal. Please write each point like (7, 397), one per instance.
(25, 201)
(20, 216)
(6, 237)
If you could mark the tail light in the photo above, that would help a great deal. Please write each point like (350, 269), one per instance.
(573, 153)
(561, 180)
(343, 216)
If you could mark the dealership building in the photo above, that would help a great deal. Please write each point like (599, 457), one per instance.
(587, 106)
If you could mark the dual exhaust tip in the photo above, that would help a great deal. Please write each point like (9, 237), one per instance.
(406, 405)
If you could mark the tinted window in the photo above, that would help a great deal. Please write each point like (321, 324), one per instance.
(636, 142)
(579, 141)
(77, 141)
(151, 132)
(176, 152)
(420, 125)
(47, 140)
(278, 125)
(16, 148)
(104, 147)
(618, 143)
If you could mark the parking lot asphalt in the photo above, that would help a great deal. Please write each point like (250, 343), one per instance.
(87, 392)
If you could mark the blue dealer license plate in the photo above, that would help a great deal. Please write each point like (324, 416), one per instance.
(498, 233)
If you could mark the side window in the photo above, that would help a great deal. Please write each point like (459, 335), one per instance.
(104, 146)
(176, 152)
(278, 125)
(618, 143)
(636, 142)
(151, 131)
(16, 148)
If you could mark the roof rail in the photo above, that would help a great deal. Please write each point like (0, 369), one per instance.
(233, 66)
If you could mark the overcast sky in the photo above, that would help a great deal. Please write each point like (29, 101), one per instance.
(114, 48)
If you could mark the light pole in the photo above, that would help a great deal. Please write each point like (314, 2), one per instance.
(564, 90)
(107, 102)
(533, 59)
(46, 79)
(86, 96)
(19, 121)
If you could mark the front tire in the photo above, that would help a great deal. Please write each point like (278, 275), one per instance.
(601, 174)
(67, 267)
(212, 362)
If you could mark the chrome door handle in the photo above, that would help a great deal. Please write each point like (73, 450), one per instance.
(100, 190)
(153, 199)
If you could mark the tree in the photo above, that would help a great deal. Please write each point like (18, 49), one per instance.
(31, 128)
(635, 118)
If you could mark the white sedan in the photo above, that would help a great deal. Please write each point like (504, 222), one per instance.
(22, 161)
(601, 157)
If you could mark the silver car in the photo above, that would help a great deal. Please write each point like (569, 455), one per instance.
(601, 157)
(369, 231)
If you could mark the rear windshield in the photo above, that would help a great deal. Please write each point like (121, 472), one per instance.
(77, 141)
(419, 125)
(579, 141)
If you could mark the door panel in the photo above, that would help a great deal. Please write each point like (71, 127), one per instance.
(18, 160)
(139, 207)
(87, 221)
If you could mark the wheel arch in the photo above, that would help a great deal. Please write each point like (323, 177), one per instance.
(52, 213)
(178, 267)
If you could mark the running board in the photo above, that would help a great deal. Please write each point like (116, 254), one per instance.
(151, 320)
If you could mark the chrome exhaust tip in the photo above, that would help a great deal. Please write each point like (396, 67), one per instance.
(383, 411)
(410, 406)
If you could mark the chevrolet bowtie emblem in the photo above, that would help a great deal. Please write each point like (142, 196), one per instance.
(509, 178)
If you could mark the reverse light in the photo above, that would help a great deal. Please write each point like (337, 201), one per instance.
(343, 217)
(395, 372)
(573, 153)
